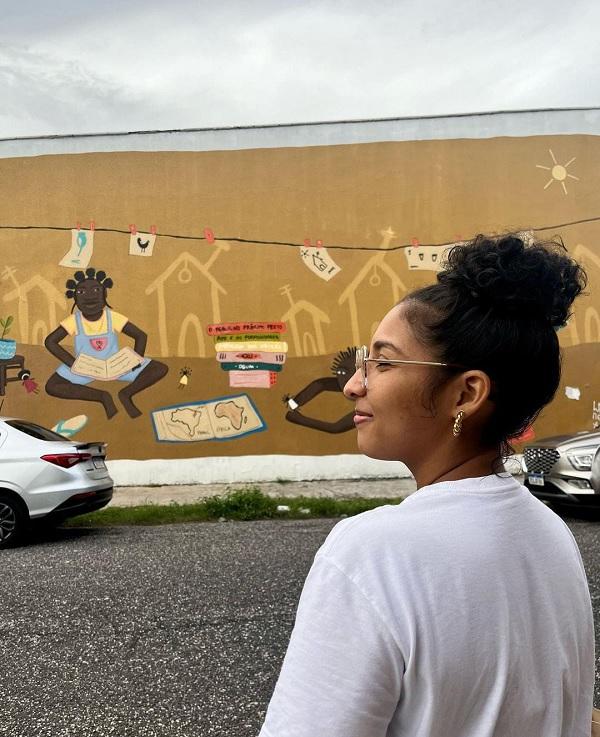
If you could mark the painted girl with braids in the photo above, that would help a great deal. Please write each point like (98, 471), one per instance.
(95, 326)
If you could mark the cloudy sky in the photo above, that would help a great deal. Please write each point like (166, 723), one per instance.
(77, 66)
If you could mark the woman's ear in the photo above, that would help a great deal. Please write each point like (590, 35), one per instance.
(473, 391)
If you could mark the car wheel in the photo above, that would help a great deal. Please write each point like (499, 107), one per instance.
(13, 520)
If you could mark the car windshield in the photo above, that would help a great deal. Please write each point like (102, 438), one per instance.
(35, 431)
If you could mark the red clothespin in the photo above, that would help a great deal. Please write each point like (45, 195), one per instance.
(319, 243)
(132, 229)
(92, 225)
(307, 243)
(78, 226)
(153, 229)
(209, 235)
(415, 242)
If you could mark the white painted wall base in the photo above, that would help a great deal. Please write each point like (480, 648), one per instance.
(247, 469)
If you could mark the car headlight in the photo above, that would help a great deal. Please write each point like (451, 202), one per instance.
(581, 458)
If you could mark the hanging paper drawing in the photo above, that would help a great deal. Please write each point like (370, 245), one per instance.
(141, 244)
(427, 258)
(318, 260)
(82, 248)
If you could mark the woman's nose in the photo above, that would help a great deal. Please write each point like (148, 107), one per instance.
(354, 387)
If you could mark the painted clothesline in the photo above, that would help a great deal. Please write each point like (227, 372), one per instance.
(251, 241)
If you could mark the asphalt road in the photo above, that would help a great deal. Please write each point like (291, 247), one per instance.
(167, 631)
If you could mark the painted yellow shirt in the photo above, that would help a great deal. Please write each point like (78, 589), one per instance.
(98, 327)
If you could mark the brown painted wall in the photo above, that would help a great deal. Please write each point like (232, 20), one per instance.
(351, 195)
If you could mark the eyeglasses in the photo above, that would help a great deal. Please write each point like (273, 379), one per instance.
(362, 359)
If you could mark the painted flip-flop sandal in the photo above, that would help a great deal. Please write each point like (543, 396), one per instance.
(70, 427)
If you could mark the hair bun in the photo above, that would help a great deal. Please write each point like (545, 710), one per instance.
(537, 281)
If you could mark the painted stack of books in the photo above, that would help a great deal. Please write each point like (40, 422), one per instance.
(252, 353)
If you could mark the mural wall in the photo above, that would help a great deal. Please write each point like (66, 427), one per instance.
(201, 303)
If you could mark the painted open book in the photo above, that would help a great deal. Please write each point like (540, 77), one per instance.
(109, 369)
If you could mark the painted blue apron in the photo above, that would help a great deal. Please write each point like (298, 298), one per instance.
(102, 345)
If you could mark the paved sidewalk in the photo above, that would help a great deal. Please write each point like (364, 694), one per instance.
(129, 496)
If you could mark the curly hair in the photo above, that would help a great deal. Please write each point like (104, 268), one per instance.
(496, 307)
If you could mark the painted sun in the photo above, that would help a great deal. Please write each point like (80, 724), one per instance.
(558, 171)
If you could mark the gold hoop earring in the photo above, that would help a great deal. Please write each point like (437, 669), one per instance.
(457, 427)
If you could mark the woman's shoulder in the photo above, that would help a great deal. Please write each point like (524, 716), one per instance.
(370, 529)
(420, 522)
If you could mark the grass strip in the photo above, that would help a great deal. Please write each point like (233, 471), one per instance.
(240, 504)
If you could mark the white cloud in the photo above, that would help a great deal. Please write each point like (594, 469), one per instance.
(145, 64)
(42, 94)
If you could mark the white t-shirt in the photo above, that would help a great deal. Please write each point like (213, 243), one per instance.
(464, 611)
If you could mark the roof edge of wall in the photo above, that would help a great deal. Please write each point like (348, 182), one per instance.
(490, 124)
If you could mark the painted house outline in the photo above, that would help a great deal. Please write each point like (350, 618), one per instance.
(184, 261)
(591, 319)
(375, 263)
(318, 317)
(54, 299)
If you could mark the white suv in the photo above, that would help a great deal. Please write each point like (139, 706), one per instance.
(45, 476)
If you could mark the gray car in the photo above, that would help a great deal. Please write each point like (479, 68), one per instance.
(559, 469)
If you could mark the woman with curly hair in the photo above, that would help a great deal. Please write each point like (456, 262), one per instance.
(464, 611)
(94, 325)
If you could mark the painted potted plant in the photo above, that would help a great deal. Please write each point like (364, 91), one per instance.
(8, 347)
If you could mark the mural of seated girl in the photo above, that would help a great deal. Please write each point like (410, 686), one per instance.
(95, 326)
